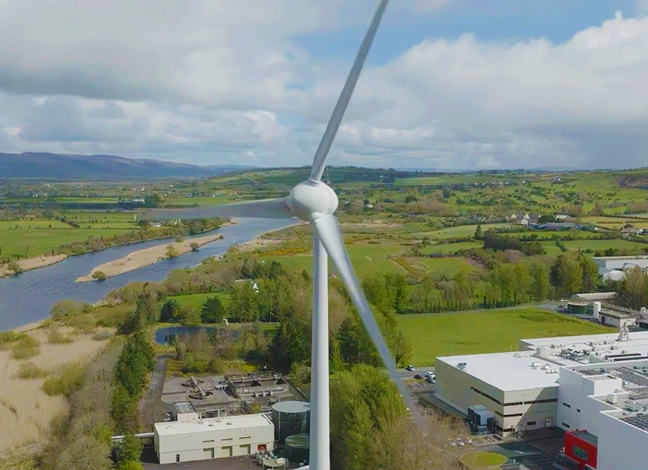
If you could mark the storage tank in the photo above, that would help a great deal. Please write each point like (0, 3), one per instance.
(290, 417)
(596, 306)
(578, 308)
(298, 448)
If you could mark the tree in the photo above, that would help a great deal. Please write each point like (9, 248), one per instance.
(539, 273)
(478, 232)
(590, 272)
(171, 252)
(243, 305)
(212, 311)
(170, 311)
(131, 465)
(289, 345)
(363, 402)
(99, 275)
(410, 198)
(129, 450)
(569, 275)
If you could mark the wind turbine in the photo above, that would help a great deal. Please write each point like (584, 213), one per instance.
(315, 202)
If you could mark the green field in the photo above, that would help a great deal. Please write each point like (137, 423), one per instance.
(485, 331)
(201, 201)
(43, 241)
(32, 224)
(475, 460)
(197, 300)
(367, 260)
(575, 245)
(450, 247)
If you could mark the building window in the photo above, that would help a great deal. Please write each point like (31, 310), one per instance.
(508, 416)
(209, 440)
(226, 439)
(548, 400)
(580, 453)
(565, 424)
(485, 395)
(177, 458)
(567, 405)
(245, 437)
(531, 423)
(515, 403)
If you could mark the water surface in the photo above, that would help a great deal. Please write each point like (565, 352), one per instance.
(29, 297)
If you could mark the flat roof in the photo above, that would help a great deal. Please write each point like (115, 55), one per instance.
(184, 407)
(585, 436)
(511, 371)
(602, 345)
(213, 424)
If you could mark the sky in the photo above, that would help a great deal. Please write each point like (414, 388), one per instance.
(449, 84)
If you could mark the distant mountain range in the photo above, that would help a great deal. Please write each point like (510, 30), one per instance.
(67, 166)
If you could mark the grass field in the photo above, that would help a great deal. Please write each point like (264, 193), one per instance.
(450, 247)
(485, 331)
(42, 241)
(201, 201)
(575, 245)
(367, 260)
(197, 300)
(475, 460)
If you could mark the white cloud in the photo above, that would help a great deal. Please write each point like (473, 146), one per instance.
(218, 81)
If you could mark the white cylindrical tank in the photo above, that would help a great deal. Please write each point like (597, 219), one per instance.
(596, 306)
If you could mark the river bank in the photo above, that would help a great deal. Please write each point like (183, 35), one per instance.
(32, 263)
(141, 258)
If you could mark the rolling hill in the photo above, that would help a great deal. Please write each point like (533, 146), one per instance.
(69, 166)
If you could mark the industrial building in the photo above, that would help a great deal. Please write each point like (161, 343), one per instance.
(519, 390)
(193, 438)
(608, 263)
(604, 409)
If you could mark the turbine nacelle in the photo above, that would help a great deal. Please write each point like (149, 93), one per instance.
(311, 200)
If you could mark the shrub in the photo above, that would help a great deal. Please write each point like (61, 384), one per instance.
(29, 370)
(15, 267)
(194, 246)
(131, 465)
(129, 450)
(171, 252)
(84, 324)
(99, 275)
(25, 348)
(68, 380)
(56, 337)
(7, 337)
(102, 335)
(180, 239)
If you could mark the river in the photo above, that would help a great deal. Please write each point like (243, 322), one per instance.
(28, 298)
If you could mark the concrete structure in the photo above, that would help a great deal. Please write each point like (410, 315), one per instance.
(615, 318)
(521, 388)
(202, 439)
(610, 402)
(256, 384)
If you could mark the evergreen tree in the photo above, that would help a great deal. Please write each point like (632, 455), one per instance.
(170, 311)
(478, 232)
(212, 311)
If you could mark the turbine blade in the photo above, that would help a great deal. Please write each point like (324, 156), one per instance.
(329, 233)
(319, 162)
(265, 208)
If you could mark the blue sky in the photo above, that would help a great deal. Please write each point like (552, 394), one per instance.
(448, 84)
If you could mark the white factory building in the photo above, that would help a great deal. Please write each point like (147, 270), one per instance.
(563, 382)
(613, 268)
(193, 438)
(520, 388)
(610, 402)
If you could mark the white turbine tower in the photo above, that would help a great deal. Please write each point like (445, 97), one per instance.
(315, 202)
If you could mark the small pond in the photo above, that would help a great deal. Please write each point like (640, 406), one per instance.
(169, 334)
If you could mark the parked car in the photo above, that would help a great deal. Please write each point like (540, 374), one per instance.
(431, 374)
(410, 368)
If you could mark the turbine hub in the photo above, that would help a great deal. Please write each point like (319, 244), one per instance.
(312, 199)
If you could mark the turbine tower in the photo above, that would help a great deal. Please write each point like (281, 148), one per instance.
(315, 202)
